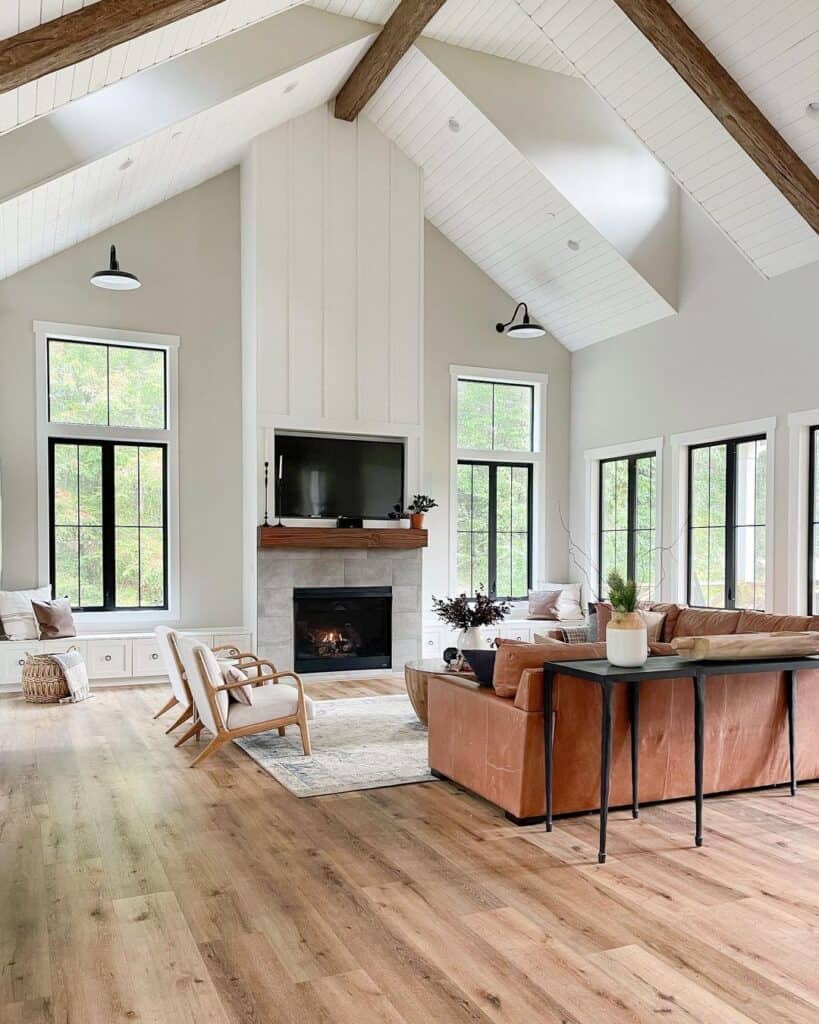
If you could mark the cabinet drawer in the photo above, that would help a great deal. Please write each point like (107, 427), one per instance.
(147, 659)
(431, 643)
(109, 659)
(240, 640)
(12, 659)
(516, 633)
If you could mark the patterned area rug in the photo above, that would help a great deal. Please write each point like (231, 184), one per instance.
(358, 743)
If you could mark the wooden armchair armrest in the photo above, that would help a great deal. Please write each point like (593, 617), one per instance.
(234, 686)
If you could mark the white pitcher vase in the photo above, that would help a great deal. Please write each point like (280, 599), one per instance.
(626, 640)
(472, 639)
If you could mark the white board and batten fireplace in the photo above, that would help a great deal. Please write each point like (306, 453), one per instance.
(332, 276)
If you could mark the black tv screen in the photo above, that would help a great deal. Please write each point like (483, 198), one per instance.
(327, 477)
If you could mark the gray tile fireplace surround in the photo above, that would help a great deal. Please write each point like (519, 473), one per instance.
(280, 571)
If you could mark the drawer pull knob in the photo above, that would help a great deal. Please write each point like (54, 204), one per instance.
(21, 661)
(107, 657)
(154, 656)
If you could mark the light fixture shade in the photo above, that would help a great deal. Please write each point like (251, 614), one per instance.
(525, 329)
(113, 278)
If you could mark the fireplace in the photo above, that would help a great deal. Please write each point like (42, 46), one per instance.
(341, 628)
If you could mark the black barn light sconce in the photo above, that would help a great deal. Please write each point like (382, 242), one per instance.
(524, 329)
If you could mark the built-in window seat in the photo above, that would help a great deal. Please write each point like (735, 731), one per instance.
(110, 657)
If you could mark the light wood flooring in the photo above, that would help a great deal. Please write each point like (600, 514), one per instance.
(134, 889)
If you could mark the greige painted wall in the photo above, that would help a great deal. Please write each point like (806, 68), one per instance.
(462, 306)
(741, 348)
(186, 252)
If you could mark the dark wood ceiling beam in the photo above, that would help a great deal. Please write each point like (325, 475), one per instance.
(742, 119)
(406, 23)
(84, 33)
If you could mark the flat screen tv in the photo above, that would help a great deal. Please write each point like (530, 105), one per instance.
(327, 477)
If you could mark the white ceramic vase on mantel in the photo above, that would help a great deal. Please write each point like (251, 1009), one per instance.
(472, 639)
(626, 640)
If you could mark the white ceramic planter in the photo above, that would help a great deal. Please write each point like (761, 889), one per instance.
(472, 639)
(626, 640)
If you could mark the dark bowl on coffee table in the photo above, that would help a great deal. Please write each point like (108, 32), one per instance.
(482, 664)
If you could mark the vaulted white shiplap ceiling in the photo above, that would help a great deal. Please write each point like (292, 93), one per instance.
(34, 99)
(506, 216)
(78, 205)
(771, 47)
(498, 27)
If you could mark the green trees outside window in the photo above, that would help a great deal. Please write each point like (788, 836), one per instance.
(626, 515)
(494, 516)
(727, 494)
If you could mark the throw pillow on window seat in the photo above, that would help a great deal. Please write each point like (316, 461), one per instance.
(19, 622)
(54, 618)
(543, 604)
(569, 606)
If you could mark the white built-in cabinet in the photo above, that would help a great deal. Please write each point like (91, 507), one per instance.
(436, 639)
(110, 657)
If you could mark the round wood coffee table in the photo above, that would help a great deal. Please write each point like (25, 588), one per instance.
(416, 677)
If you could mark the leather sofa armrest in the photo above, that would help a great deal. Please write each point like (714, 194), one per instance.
(530, 690)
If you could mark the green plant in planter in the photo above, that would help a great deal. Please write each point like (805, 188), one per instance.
(622, 593)
(421, 503)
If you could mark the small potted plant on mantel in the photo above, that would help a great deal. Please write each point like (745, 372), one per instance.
(626, 635)
(469, 614)
(415, 512)
(418, 508)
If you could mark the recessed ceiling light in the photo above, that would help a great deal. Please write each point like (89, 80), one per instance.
(290, 86)
(126, 164)
(813, 108)
(573, 244)
(454, 124)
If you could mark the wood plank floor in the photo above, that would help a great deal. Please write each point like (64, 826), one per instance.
(135, 889)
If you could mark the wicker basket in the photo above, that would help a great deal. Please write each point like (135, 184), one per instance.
(43, 680)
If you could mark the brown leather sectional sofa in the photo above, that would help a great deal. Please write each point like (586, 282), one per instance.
(492, 745)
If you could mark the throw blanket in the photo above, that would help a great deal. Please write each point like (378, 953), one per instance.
(75, 675)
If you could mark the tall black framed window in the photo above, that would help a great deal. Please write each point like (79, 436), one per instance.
(494, 533)
(813, 522)
(626, 517)
(727, 500)
(108, 523)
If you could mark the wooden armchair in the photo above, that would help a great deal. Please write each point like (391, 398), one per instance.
(274, 706)
(168, 642)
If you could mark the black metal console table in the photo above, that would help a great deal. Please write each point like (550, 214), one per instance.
(607, 676)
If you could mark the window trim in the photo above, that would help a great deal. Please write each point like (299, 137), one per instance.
(730, 526)
(144, 618)
(536, 458)
(593, 457)
(631, 512)
(813, 432)
(680, 443)
(493, 465)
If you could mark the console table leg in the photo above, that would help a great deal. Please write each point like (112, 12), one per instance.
(634, 726)
(548, 739)
(699, 714)
(790, 678)
(605, 767)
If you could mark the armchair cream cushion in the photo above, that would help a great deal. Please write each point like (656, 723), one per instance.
(276, 700)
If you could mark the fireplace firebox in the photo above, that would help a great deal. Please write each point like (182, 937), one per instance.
(341, 628)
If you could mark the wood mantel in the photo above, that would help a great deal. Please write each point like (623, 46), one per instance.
(395, 539)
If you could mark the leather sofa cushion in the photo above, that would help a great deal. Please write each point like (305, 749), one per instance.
(672, 615)
(513, 658)
(706, 622)
(766, 622)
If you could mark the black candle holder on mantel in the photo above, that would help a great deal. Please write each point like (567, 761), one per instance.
(278, 492)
